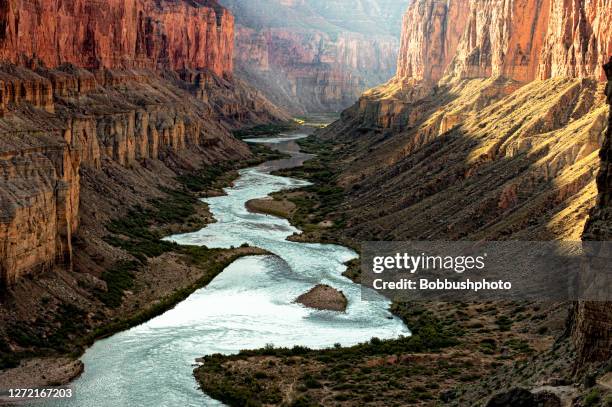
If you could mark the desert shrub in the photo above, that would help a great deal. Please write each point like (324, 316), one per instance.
(593, 398)
(118, 278)
(504, 323)
(311, 383)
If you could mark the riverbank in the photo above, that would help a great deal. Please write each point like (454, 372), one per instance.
(314, 209)
(41, 372)
(248, 305)
(447, 354)
(167, 280)
(140, 277)
(458, 353)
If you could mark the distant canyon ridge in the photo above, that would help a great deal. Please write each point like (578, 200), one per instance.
(316, 55)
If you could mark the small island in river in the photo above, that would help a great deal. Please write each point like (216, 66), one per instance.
(324, 297)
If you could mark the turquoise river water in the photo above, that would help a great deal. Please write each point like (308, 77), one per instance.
(249, 305)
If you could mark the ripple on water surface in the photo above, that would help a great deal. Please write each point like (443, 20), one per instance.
(249, 305)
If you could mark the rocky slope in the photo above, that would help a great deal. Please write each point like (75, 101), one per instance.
(107, 108)
(316, 56)
(490, 130)
(59, 118)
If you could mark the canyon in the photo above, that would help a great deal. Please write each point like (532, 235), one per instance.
(492, 123)
(511, 133)
(495, 127)
(104, 107)
(316, 56)
(58, 117)
(492, 130)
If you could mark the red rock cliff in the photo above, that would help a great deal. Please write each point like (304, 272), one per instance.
(519, 39)
(503, 37)
(430, 37)
(118, 33)
(82, 91)
(578, 40)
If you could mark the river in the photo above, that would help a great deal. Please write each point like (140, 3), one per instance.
(250, 304)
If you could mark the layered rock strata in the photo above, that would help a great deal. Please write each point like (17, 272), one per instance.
(578, 39)
(520, 39)
(429, 40)
(316, 56)
(490, 130)
(88, 85)
(69, 118)
(119, 34)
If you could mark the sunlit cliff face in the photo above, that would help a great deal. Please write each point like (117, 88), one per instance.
(504, 99)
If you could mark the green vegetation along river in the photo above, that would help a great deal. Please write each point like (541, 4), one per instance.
(249, 305)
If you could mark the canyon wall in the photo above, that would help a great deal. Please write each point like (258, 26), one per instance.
(90, 86)
(502, 38)
(39, 201)
(491, 129)
(578, 40)
(118, 33)
(316, 56)
(519, 39)
(430, 37)
(593, 321)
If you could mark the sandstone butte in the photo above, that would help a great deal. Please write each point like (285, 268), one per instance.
(492, 123)
(86, 86)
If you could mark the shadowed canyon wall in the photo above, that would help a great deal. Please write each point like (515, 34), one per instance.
(593, 321)
(107, 87)
(316, 55)
(490, 130)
